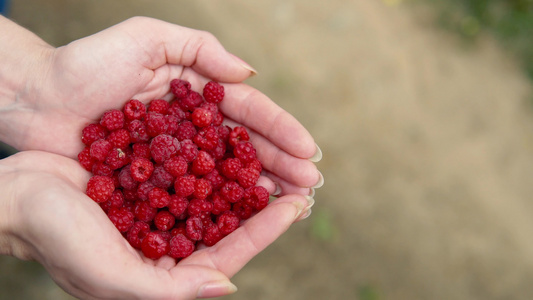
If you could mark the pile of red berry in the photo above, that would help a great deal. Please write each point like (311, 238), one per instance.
(169, 175)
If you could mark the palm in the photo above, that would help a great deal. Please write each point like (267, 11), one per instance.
(71, 236)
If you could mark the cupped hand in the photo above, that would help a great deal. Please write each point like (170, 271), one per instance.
(53, 221)
(137, 59)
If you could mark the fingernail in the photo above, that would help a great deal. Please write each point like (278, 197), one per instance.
(216, 289)
(311, 192)
(320, 182)
(277, 192)
(244, 64)
(304, 211)
(317, 156)
(310, 202)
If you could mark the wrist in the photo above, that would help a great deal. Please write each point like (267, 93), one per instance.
(10, 242)
(23, 58)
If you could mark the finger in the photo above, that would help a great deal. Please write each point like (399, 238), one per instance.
(286, 188)
(297, 171)
(179, 45)
(235, 250)
(249, 107)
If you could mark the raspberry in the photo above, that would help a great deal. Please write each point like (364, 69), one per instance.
(202, 188)
(100, 188)
(85, 159)
(126, 180)
(192, 100)
(188, 150)
(156, 124)
(122, 218)
(175, 110)
(206, 138)
(213, 92)
(218, 119)
(244, 151)
(215, 179)
(220, 205)
(141, 150)
(143, 189)
(194, 228)
(134, 110)
(138, 132)
(159, 106)
(199, 206)
(247, 177)
(119, 138)
(219, 150)
(177, 205)
(232, 191)
(238, 134)
(178, 229)
(154, 245)
(158, 198)
(177, 166)
(137, 233)
(116, 159)
(112, 119)
(163, 146)
(227, 222)
(257, 197)
(255, 164)
(141, 169)
(102, 169)
(212, 235)
(164, 220)
(201, 117)
(99, 149)
(181, 246)
(161, 178)
(143, 211)
(180, 88)
(184, 185)
(186, 131)
(231, 167)
(242, 210)
(223, 133)
(203, 163)
(173, 122)
(92, 133)
(115, 201)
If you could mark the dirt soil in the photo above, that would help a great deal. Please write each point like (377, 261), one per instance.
(427, 142)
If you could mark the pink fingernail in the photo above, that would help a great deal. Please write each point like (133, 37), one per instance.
(216, 289)
(244, 64)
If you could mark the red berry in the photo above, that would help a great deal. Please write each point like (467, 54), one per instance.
(231, 191)
(141, 169)
(100, 188)
(189, 150)
(115, 201)
(161, 178)
(194, 228)
(244, 151)
(116, 159)
(181, 246)
(143, 211)
(177, 166)
(163, 146)
(164, 220)
(159, 106)
(257, 197)
(220, 204)
(202, 188)
(134, 110)
(119, 138)
(201, 117)
(213, 92)
(154, 245)
(100, 168)
(247, 177)
(230, 168)
(212, 235)
(185, 131)
(141, 150)
(100, 148)
(177, 205)
(138, 132)
(184, 185)
(122, 218)
(85, 159)
(203, 163)
(112, 119)
(92, 133)
(126, 180)
(180, 88)
(137, 233)
(237, 135)
(227, 222)
(158, 197)
(143, 189)
(192, 100)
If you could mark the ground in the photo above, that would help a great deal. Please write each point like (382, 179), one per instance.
(427, 142)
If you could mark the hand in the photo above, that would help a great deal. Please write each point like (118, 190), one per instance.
(137, 59)
(51, 220)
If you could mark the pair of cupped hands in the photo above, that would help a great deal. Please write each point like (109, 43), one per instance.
(44, 212)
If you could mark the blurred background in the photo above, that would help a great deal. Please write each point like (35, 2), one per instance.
(423, 110)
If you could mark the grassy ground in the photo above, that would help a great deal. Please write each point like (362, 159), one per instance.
(510, 20)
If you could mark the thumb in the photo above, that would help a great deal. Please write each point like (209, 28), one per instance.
(197, 49)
